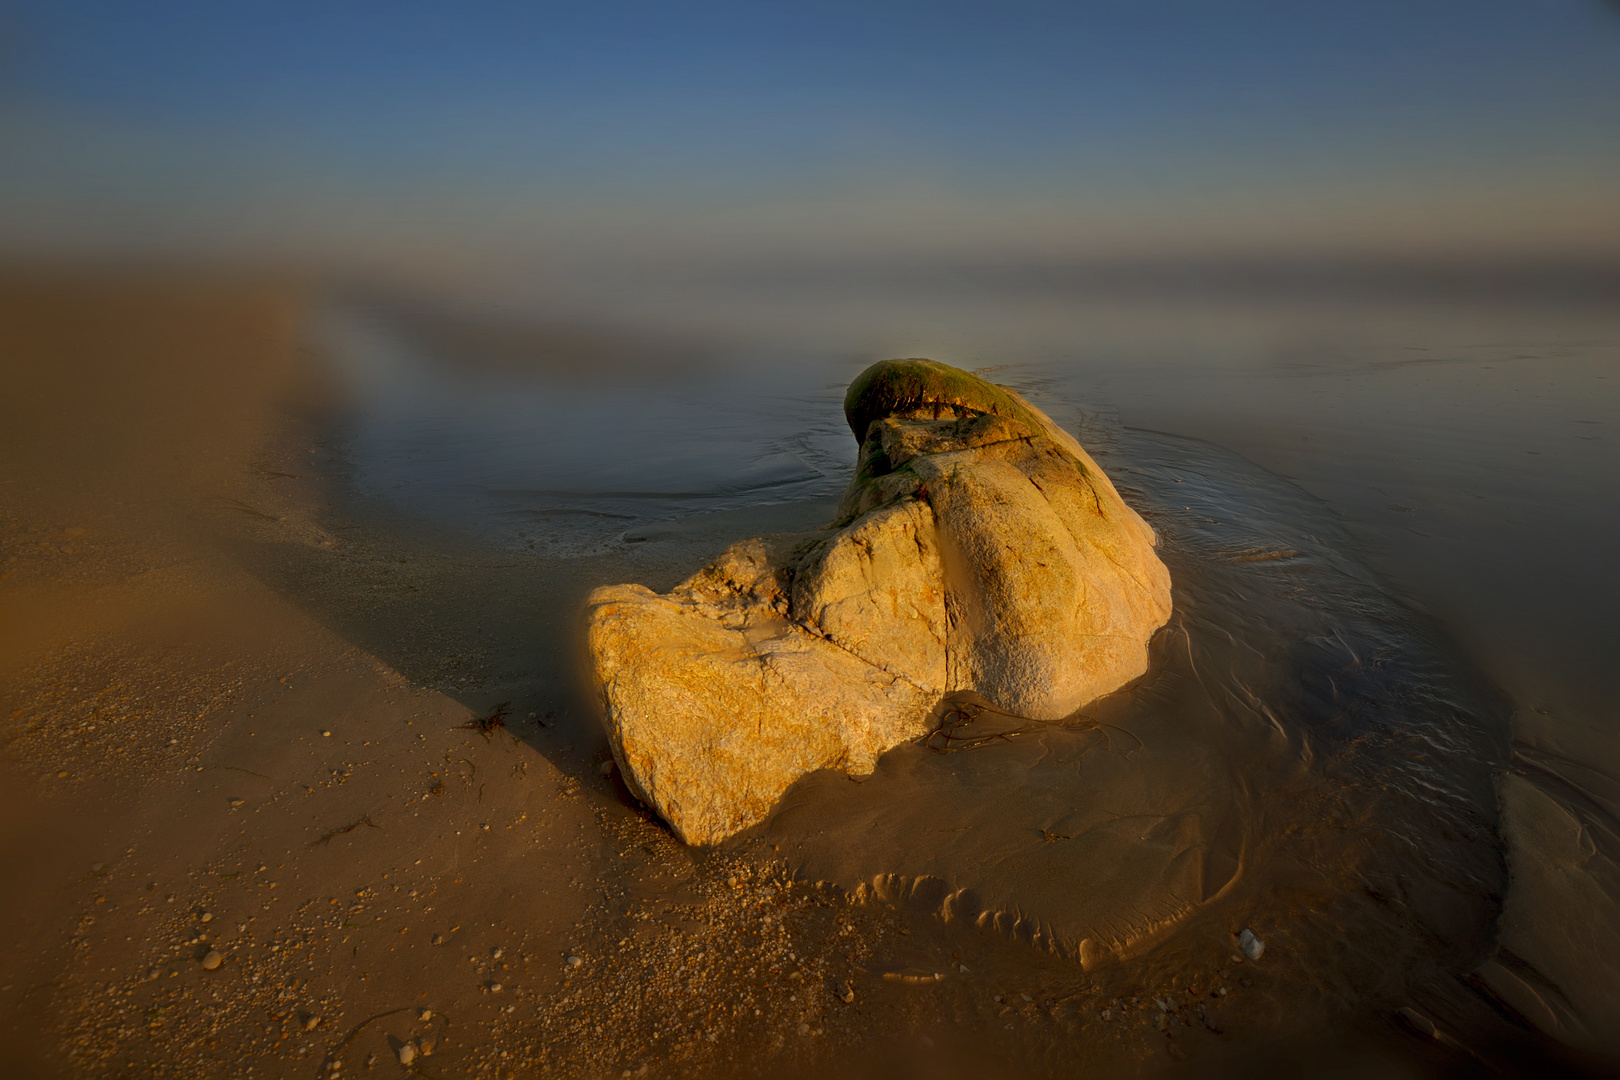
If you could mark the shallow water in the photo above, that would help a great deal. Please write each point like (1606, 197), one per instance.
(1391, 617)
(1299, 731)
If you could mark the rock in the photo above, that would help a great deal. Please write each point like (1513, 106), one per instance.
(212, 959)
(1418, 1022)
(406, 1053)
(575, 961)
(206, 917)
(427, 1044)
(1252, 947)
(424, 1013)
(311, 1022)
(977, 549)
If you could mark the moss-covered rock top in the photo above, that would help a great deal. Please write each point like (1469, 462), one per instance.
(917, 385)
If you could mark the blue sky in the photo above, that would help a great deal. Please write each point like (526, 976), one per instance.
(916, 126)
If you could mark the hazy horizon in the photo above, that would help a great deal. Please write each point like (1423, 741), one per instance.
(722, 135)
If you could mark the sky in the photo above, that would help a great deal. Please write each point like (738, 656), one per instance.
(1000, 130)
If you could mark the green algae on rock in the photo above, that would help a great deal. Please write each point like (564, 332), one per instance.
(978, 549)
(916, 386)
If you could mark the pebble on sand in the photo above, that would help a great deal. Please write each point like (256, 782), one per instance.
(213, 959)
(424, 1013)
(207, 917)
(406, 1053)
(436, 939)
(1418, 1022)
(426, 1044)
(237, 802)
(326, 734)
(575, 961)
(1252, 947)
(311, 1022)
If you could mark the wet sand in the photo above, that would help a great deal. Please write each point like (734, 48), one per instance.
(197, 592)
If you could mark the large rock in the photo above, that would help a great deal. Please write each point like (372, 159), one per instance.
(978, 548)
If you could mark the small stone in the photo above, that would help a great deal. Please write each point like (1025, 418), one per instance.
(236, 802)
(207, 917)
(406, 1053)
(1418, 1022)
(436, 939)
(371, 1060)
(497, 954)
(426, 1045)
(606, 768)
(494, 988)
(424, 1013)
(1252, 947)
(62, 775)
(575, 961)
(213, 959)
(326, 734)
(962, 969)
(311, 1022)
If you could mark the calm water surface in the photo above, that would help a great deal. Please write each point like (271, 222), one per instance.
(1381, 726)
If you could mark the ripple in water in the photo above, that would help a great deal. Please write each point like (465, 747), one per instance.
(1306, 756)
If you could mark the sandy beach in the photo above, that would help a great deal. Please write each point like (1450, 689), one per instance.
(298, 784)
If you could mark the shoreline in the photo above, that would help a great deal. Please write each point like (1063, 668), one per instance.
(253, 603)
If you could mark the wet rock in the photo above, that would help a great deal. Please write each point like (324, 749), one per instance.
(1252, 947)
(978, 548)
